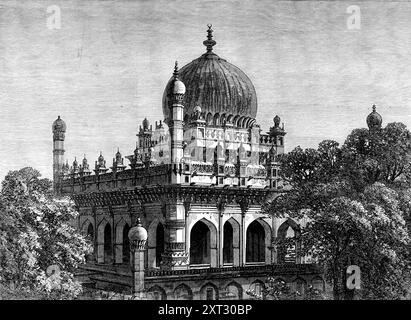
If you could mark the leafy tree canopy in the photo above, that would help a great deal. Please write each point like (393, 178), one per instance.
(36, 232)
(356, 199)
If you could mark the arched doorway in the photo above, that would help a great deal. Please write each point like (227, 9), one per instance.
(126, 244)
(228, 250)
(200, 250)
(90, 237)
(159, 243)
(255, 243)
(90, 233)
(108, 244)
(288, 235)
(183, 292)
(209, 292)
(156, 293)
(233, 291)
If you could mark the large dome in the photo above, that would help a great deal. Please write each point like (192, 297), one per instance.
(217, 86)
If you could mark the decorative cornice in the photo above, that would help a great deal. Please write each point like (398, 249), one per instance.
(175, 192)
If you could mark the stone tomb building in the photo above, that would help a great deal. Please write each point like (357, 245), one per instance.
(196, 183)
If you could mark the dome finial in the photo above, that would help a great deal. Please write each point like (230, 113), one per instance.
(209, 43)
(374, 108)
(175, 73)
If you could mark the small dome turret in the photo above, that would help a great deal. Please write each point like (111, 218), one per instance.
(59, 125)
(178, 87)
(101, 159)
(277, 121)
(138, 232)
(118, 155)
(85, 164)
(145, 124)
(374, 119)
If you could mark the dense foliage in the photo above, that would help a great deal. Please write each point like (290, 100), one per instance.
(356, 199)
(37, 236)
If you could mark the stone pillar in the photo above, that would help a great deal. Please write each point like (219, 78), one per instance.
(242, 240)
(175, 255)
(138, 241)
(273, 240)
(220, 234)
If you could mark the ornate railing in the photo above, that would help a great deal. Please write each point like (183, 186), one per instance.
(269, 269)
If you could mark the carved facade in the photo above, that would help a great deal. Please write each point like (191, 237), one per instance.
(197, 182)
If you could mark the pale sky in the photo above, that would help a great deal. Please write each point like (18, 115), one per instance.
(106, 68)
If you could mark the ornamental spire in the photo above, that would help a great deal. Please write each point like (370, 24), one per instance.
(209, 43)
(175, 73)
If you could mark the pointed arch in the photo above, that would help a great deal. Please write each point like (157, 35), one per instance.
(156, 293)
(258, 288)
(258, 242)
(216, 119)
(218, 152)
(209, 291)
(222, 119)
(235, 120)
(183, 292)
(88, 230)
(233, 291)
(122, 244)
(251, 123)
(230, 118)
(288, 251)
(155, 242)
(240, 122)
(104, 242)
(231, 242)
(86, 224)
(247, 122)
(203, 243)
(209, 119)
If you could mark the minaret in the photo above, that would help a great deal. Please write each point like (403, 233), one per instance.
(177, 91)
(138, 240)
(277, 134)
(175, 255)
(59, 129)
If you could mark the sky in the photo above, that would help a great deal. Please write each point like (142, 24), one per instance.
(106, 68)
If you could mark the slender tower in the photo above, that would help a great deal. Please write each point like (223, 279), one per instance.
(175, 255)
(59, 129)
(177, 91)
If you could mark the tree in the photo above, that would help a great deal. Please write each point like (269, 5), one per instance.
(36, 233)
(356, 200)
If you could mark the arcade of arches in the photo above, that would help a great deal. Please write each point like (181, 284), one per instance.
(112, 246)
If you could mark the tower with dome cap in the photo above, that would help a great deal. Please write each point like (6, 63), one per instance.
(374, 119)
(59, 131)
